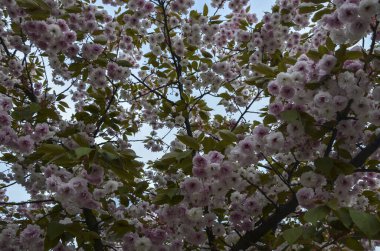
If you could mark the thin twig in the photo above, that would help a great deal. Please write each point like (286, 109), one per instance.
(261, 191)
(246, 110)
(26, 202)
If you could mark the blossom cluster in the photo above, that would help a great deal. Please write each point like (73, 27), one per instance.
(194, 78)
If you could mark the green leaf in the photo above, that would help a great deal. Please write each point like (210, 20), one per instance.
(293, 234)
(208, 144)
(290, 116)
(264, 69)
(121, 227)
(330, 44)
(309, 8)
(141, 187)
(315, 55)
(53, 233)
(189, 141)
(82, 151)
(315, 1)
(228, 136)
(124, 63)
(8, 157)
(324, 166)
(354, 244)
(168, 196)
(353, 55)
(25, 113)
(344, 217)
(340, 53)
(342, 167)
(269, 119)
(204, 115)
(206, 54)
(37, 9)
(216, 17)
(194, 15)
(367, 223)
(54, 230)
(319, 14)
(51, 149)
(205, 10)
(315, 214)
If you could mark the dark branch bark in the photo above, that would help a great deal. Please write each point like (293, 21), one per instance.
(25, 202)
(5, 47)
(363, 155)
(367, 171)
(103, 118)
(92, 225)
(245, 111)
(151, 91)
(373, 39)
(261, 191)
(339, 117)
(29, 93)
(142, 81)
(250, 237)
(253, 236)
(373, 42)
(177, 64)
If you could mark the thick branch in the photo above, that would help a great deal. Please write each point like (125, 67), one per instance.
(27, 92)
(103, 118)
(249, 238)
(5, 47)
(363, 155)
(177, 64)
(92, 225)
(339, 117)
(253, 236)
(372, 46)
(24, 202)
(367, 171)
(373, 39)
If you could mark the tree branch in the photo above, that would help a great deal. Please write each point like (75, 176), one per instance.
(339, 117)
(246, 110)
(141, 81)
(261, 191)
(363, 155)
(25, 202)
(5, 47)
(253, 236)
(102, 119)
(92, 225)
(250, 237)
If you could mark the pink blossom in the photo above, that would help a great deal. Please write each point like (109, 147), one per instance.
(215, 157)
(5, 119)
(287, 91)
(305, 197)
(200, 161)
(348, 12)
(191, 185)
(327, 63)
(25, 144)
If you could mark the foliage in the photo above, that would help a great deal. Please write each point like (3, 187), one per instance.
(268, 129)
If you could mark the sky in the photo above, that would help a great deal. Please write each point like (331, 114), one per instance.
(17, 193)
